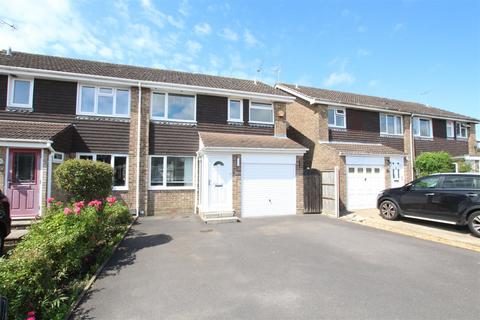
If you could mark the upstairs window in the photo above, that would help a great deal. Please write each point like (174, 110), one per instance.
(336, 118)
(235, 110)
(391, 124)
(261, 113)
(422, 127)
(104, 101)
(118, 163)
(450, 129)
(175, 107)
(461, 130)
(21, 93)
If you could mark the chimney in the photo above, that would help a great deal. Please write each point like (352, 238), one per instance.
(296, 85)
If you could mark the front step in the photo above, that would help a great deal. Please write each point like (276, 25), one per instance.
(221, 220)
(15, 236)
(219, 216)
(21, 224)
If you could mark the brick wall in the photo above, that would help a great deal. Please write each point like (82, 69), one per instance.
(280, 110)
(171, 202)
(472, 140)
(407, 149)
(236, 184)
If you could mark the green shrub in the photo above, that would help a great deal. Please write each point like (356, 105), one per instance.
(464, 167)
(433, 162)
(84, 179)
(48, 268)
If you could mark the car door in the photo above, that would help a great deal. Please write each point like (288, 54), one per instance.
(418, 197)
(455, 195)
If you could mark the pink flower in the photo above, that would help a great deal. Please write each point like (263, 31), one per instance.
(67, 211)
(77, 210)
(80, 204)
(94, 203)
(58, 203)
(31, 315)
(111, 200)
(31, 318)
(50, 200)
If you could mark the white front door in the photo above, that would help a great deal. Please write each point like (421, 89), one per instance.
(396, 172)
(220, 174)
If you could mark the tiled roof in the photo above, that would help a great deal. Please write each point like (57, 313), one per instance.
(29, 130)
(362, 149)
(228, 140)
(371, 101)
(36, 61)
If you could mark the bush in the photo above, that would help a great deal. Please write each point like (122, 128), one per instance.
(46, 271)
(84, 179)
(464, 167)
(433, 162)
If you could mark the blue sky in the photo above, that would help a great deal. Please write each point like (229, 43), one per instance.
(417, 50)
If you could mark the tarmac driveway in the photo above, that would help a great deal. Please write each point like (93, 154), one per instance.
(300, 267)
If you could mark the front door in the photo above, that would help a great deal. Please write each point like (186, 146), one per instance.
(396, 172)
(219, 170)
(23, 182)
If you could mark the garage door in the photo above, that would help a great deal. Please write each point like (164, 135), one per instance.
(268, 186)
(364, 182)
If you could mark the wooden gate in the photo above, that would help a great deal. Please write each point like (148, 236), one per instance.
(312, 191)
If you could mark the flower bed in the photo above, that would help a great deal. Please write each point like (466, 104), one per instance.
(43, 275)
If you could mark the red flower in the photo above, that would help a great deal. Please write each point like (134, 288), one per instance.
(31, 313)
(111, 200)
(77, 210)
(80, 204)
(67, 211)
(58, 203)
(50, 200)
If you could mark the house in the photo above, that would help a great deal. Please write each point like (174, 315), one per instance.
(373, 141)
(177, 142)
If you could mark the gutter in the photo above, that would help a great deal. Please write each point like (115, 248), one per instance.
(412, 148)
(137, 178)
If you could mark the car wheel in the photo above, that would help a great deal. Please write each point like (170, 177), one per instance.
(388, 210)
(474, 223)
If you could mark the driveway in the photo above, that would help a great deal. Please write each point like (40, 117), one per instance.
(300, 267)
(458, 236)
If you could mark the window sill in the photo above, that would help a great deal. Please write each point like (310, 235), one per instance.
(19, 108)
(258, 123)
(391, 135)
(423, 138)
(120, 189)
(462, 139)
(337, 128)
(100, 117)
(235, 121)
(177, 122)
(170, 188)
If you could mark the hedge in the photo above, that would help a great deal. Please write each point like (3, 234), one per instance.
(44, 274)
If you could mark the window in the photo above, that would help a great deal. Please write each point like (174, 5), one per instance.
(450, 128)
(261, 113)
(175, 107)
(422, 127)
(391, 124)
(427, 183)
(104, 101)
(461, 130)
(235, 110)
(21, 93)
(336, 117)
(171, 172)
(24, 167)
(58, 157)
(461, 182)
(118, 163)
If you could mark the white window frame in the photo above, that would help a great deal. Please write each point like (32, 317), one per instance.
(450, 129)
(394, 124)
(95, 103)
(166, 94)
(112, 164)
(60, 159)
(417, 119)
(10, 91)
(335, 117)
(230, 119)
(164, 184)
(270, 107)
(460, 136)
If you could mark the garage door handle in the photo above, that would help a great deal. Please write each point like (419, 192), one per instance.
(429, 194)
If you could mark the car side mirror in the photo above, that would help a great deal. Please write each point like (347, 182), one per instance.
(407, 187)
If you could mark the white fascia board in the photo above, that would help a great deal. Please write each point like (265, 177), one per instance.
(421, 115)
(146, 84)
(299, 151)
(295, 93)
(371, 154)
(25, 143)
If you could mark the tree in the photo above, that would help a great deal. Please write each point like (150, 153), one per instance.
(433, 162)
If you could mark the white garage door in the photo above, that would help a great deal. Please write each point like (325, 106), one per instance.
(268, 186)
(364, 182)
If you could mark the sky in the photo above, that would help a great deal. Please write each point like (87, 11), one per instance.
(426, 51)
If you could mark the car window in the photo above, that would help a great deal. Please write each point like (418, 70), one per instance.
(426, 183)
(461, 182)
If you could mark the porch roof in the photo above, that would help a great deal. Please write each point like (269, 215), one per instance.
(248, 141)
(363, 149)
(30, 130)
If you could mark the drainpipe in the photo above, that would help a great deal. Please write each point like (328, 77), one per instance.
(50, 166)
(412, 148)
(139, 123)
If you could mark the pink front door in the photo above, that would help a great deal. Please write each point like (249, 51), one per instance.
(23, 185)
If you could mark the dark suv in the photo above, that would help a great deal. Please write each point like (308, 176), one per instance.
(452, 198)
(5, 221)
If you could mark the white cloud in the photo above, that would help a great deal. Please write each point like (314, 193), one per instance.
(184, 8)
(364, 52)
(339, 78)
(193, 47)
(250, 39)
(202, 29)
(159, 18)
(229, 34)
